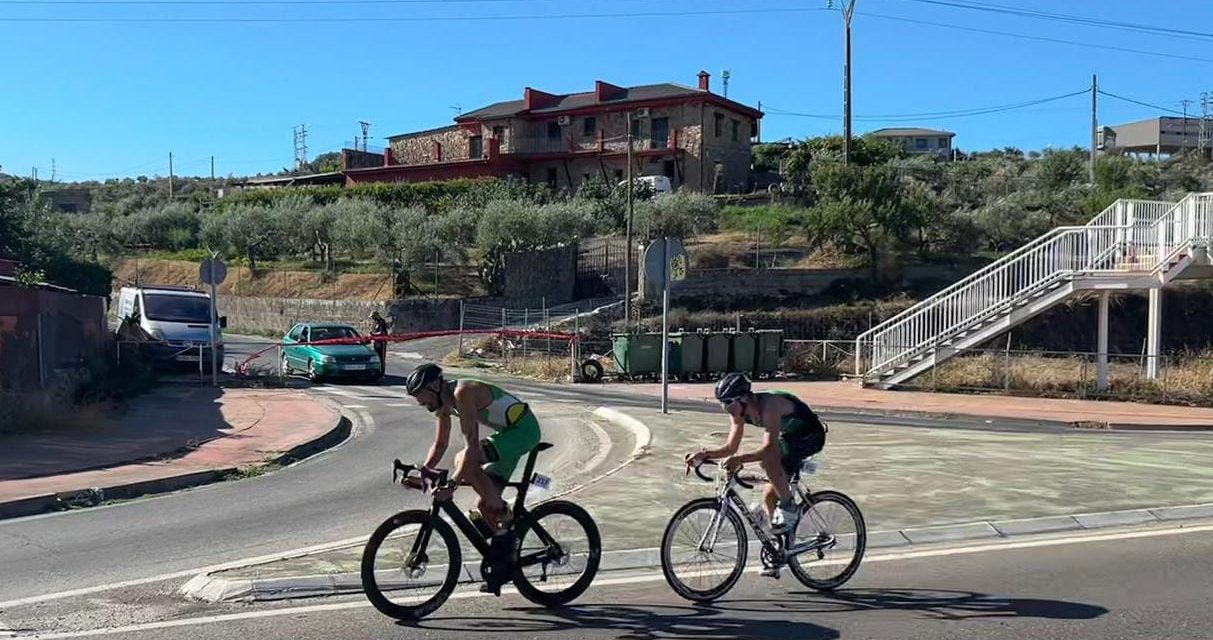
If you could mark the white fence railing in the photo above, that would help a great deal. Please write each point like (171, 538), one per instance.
(1129, 235)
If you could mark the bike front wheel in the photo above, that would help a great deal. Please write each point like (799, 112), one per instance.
(832, 528)
(559, 552)
(703, 550)
(411, 565)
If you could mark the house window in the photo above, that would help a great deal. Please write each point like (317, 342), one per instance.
(659, 131)
(635, 127)
(943, 143)
(667, 169)
(499, 132)
(589, 126)
(475, 147)
(736, 130)
(719, 124)
(920, 143)
(619, 175)
(553, 130)
(552, 177)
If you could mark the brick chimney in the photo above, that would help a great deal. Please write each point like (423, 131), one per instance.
(705, 81)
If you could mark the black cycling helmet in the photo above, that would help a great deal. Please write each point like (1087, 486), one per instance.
(422, 377)
(732, 386)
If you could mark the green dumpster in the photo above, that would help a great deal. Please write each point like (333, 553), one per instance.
(690, 354)
(770, 351)
(716, 353)
(745, 352)
(637, 354)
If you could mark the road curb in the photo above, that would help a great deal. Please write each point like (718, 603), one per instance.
(214, 588)
(93, 496)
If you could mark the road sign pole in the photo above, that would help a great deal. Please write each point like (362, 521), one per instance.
(665, 325)
(214, 340)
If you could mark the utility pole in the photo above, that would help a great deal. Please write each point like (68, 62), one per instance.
(1094, 124)
(627, 265)
(52, 170)
(212, 167)
(170, 175)
(1184, 104)
(366, 132)
(300, 146)
(1206, 131)
(848, 10)
(758, 131)
(724, 76)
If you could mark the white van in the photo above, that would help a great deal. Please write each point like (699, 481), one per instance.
(176, 319)
(659, 184)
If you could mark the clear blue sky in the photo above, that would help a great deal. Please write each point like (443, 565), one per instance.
(106, 98)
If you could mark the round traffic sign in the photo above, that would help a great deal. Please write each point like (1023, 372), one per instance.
(212, 271)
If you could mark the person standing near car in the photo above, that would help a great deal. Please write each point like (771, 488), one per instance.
(379, 327)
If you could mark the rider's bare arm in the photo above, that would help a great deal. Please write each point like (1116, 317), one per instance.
(736, 430)
(770, 442)
(442, 439)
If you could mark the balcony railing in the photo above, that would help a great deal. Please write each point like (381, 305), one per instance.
(578, 145)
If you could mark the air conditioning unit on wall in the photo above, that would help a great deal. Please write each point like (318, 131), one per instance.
(642, 112)
(563, 120)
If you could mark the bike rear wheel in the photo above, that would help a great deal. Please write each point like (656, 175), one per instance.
(832, 520)
(703, 550)
(411, 565)
(559, 552)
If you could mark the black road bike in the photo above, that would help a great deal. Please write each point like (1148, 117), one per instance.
(413, 561)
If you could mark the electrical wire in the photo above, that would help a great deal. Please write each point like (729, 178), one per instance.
(1139, 102)
(937, 115)
(1022, 36)
(1071, 19)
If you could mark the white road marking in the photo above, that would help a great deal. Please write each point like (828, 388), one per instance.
(408, 355)
(355, 406)
(397, 404)
(622, 580)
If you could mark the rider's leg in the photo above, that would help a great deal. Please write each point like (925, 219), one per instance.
(503, 450)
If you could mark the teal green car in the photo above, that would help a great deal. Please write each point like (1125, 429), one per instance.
(328, 360)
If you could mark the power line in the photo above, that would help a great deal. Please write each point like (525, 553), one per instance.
(1139, 102)
(1071, 19)
(570, 16)
(959, 113)
(1022, 36)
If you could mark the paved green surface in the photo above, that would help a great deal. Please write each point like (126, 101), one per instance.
(902, 477)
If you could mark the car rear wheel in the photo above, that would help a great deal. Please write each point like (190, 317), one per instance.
(286, 366)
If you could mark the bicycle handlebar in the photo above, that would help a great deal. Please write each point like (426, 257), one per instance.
(736, 477)
(430, 478)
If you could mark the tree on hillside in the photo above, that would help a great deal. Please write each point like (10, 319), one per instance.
(248, 231)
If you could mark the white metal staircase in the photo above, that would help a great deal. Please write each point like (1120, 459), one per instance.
(1133, 244)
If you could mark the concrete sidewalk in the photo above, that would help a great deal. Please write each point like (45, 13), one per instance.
(171, 438)
(851, 397)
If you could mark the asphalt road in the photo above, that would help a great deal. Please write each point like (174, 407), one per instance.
(343, 493)
(1146, 587)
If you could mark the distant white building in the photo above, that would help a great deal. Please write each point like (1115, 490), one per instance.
(917, 141)
(1167, 135)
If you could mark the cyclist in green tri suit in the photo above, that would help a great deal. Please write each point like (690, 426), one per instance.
(792, 433)
(488, 463)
